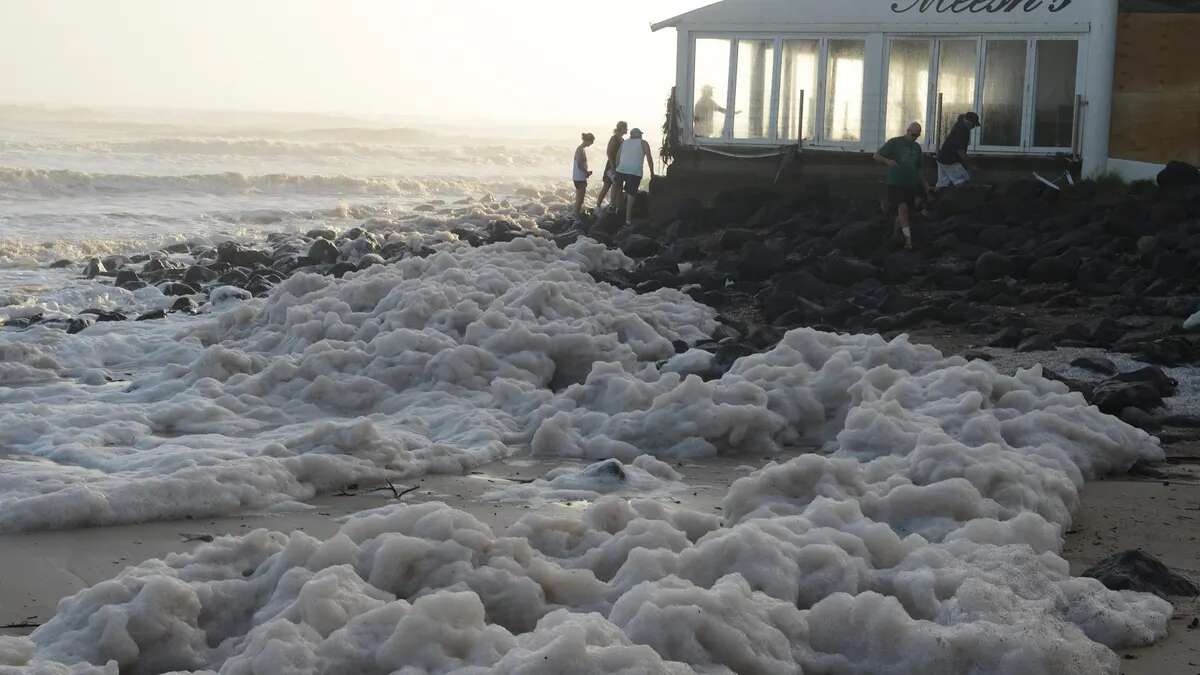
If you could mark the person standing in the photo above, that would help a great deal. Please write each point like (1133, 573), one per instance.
(580, 173)
(634, 152)
(902, 156)
(952, 160)
(705, 112)
(610, 169)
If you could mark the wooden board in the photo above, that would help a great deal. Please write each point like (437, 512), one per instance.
(1156, 89)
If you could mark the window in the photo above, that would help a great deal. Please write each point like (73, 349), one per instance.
(1004, 92)
(844, 90)
(711, 83)
(907, 85)
(755, 66)
(957, 60)
(1054, 104)
(798, 82)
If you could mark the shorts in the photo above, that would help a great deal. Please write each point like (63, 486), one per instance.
(628, 182)
(581, 185)
(952, 175)
(610, 176)
(901, 195)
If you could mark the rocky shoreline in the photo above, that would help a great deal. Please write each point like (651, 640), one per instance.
(1023, 267)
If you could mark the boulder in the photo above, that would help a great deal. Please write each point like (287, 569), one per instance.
(60, 264)
(992, 265)
(80, 323)
(152, 315)
(339, 270)
(847, 271)
(1141, 572)
(860, 237)
(735, 238)
(640, 246)
(321, 233)
(199, 274)
(94, 268)
(241, 256)
(177, 288)
(323, 251)
(105, 314)
(370, 259)
(1096, 364)
(127, 279)
(1036, 343)
(1178, 175)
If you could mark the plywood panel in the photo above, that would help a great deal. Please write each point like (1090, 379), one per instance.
(1156, 89)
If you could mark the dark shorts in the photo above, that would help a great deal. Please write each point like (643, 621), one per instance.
(628, 182)
(581, 184)
(897, 195)
(609, 176)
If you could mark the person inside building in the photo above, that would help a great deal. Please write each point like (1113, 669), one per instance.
(580, 173)
(706, 110)
(905, 184)
(952, 160)
(610, 168)
(635, 151)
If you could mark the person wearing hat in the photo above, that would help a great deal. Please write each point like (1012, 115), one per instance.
(952, 158)
(634, 152)
(610, 168)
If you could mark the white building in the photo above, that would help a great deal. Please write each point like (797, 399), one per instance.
(846, 75)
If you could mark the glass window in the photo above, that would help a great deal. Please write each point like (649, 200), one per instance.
(756, 73)
(908, 85)
(711, 82)
(1054, 104)
(1003, 92)
(956, 82)
(844, 90)
(798, 81)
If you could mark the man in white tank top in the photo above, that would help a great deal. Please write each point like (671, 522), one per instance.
(634, 151)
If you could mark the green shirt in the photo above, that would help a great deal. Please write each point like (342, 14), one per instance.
(907, 155)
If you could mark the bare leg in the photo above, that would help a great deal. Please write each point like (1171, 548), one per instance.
(905, 226)
(603, 193)
(618, 198)
(629, 202)
(580, 192)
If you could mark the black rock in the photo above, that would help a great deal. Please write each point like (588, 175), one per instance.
(79, 323)
(1164, 384)
(1113, 396)
(1096, 364)
(105, 315)
(503, 230)
(847, 271)
(94, 268)
(199, 274)
(1008, 338)
(150, 316)
(733, 239)
(24, 321)
(127, 278)
(323, 251)
(1139, 418)
(177, 288)
(1178, 175)
(184, 304)
(640, 246)
(160, 264)
(992, 265)
(859, 237)
(369, 260)
(1059, 268)
(59, 264)
(240, 256)
(180, 248)
(1072, 384)
(1138, 571)
(321, 233)
(473, 238)
(1036, 343)
(341, 269)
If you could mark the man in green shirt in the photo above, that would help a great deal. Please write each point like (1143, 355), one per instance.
(902, 156)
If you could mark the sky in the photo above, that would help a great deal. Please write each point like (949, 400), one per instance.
(521, 61)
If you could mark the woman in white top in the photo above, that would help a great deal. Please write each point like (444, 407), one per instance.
(580, 173)
(634, 151)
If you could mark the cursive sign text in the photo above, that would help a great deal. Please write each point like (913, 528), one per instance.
(978, 6)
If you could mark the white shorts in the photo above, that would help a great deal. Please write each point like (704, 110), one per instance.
(952, 175)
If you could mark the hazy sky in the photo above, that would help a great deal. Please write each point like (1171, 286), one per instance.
(521, 60)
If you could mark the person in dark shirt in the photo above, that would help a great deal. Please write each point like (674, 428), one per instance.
(902, 156)
(952, 158)
(610, 169)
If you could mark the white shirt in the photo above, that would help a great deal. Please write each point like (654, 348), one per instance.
(631, 157)
(579, 166)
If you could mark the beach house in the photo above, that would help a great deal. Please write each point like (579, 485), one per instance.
(1093, 85)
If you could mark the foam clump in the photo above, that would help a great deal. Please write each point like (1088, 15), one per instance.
(431, 364)
(629, 587)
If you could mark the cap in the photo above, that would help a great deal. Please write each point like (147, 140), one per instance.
(635, 132)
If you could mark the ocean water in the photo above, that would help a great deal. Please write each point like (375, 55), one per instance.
(81, 183)
(922, 538)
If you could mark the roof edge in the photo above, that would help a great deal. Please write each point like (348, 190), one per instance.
(674, 21)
